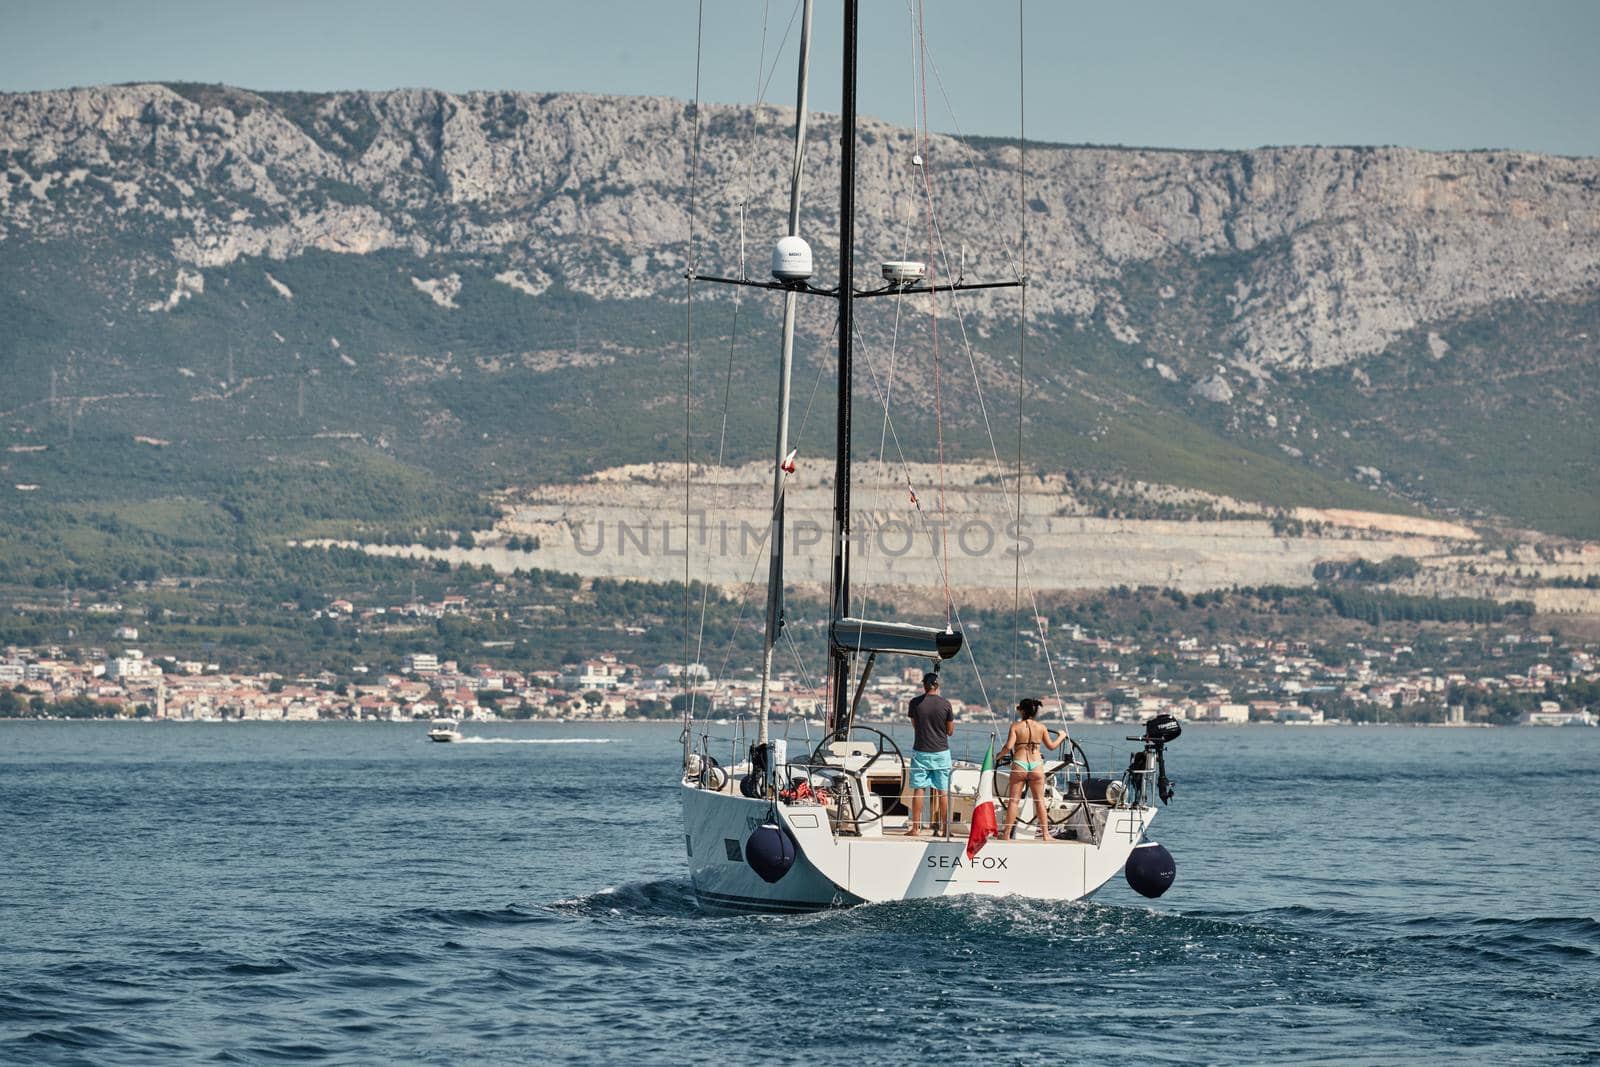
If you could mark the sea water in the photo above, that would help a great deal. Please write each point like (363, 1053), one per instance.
(329, 892)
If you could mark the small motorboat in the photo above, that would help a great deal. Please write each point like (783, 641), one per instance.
(444, 730)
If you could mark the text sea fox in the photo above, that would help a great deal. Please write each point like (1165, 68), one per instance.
(954, 860)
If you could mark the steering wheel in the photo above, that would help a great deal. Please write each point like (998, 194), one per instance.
(883, 740)
(1075, 758)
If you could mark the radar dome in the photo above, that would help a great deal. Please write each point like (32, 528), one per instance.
(791, 260)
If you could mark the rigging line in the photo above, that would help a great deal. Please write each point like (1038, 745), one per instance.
(751, 157)
(749, 583)
(905, 465)
(745, 590)
(961, 138)
(799, 663)
(883, 431)
(798, 442)
(744, 602)
(722, 442)
(733, 341)
(763, 80)
(718, 472)
(688, 366)
(1022, 348)
(927, 528)
(761, 57)
(744, 605)
(764, 76)
(894, 340)
(977, 674)
(994, 451)
(816, 382)
(933, 306)
(761, 90)
(966, 340)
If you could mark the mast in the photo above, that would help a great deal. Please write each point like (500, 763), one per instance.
(841, 478)
(791, 272)
(785, 366)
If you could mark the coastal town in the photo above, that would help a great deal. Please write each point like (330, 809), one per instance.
(1477, 677)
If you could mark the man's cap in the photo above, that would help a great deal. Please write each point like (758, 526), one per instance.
(931, 678)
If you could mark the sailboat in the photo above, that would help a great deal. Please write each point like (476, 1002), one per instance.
(782, 832)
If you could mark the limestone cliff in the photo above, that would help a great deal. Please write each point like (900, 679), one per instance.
(1326, 254)
(460, 283)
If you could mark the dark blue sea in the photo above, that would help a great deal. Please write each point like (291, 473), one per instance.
(343, 893)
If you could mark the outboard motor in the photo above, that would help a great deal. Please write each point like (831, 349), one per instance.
(1162, 729)
(1158, 733)
(1150, 870)
(770, 851)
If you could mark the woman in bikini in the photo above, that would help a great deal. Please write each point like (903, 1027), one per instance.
(1025, 743)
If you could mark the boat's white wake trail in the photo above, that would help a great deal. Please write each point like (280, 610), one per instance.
(535, 741)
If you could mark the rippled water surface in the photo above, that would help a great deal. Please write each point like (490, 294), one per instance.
(352, 894)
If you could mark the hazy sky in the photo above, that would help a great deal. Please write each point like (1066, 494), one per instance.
(1521, 74)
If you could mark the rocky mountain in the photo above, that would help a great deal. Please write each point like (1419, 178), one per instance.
(460, 283)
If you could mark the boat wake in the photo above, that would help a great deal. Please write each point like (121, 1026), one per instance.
(535, 741)
(663, 897)
(467, 918)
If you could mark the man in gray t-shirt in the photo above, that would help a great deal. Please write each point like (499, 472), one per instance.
(933, 721)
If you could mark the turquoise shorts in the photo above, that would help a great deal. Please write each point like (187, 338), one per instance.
(930, 770)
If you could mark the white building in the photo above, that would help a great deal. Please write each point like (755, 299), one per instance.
(421, 663)
(1230, 713)
(596, 674)
(129, 666)
(1550, 714)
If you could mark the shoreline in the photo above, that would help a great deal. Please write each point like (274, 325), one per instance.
(638, 721)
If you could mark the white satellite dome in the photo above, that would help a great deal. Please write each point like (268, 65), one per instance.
(791, 260)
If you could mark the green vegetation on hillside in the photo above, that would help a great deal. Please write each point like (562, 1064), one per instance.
(118, 519)
(197, 441)
(1501, 424)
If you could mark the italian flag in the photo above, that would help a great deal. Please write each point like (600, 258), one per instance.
(983, 821)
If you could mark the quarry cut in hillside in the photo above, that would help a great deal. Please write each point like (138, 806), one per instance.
(629, 523)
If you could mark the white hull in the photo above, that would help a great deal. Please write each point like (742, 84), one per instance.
(722, 883)
(838, 870)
